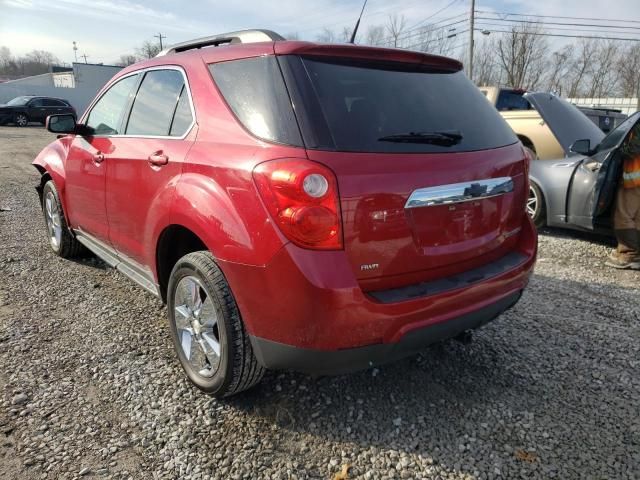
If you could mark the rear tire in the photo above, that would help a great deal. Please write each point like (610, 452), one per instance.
(536, 207)
(21, 120)
(211, 342)
(61, 240)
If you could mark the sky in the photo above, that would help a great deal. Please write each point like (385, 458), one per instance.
(106, 29)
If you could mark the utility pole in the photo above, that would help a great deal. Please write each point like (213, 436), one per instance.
(84, 55)
(471, 26)
(75, 50)
(160, 37)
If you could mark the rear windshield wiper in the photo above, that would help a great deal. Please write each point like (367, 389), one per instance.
(445, 138)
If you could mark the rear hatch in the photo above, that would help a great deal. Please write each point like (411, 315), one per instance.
(566, 121)
(432, 181)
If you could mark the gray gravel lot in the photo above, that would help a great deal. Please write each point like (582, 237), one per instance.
(90, 387)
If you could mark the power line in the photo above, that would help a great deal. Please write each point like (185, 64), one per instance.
(485, 24)
(421, 32)
(567, 36)
(429, 42)
(434, 14)
(558, 23)
(559, 16)
(367, 15)
(430, 25)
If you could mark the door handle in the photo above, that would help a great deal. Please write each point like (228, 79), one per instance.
(158, 158)
(98, 157)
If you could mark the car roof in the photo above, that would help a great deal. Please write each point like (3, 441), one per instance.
(287, 47)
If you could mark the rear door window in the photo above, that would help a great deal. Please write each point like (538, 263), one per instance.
(351, 105)
(52, 102)
(155, 103)
(510, 100)
(255, 91)
(106, 115)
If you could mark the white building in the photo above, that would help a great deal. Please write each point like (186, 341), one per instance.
(625, 105)
(78, 87)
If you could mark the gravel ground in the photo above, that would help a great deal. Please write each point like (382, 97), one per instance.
(90, 387)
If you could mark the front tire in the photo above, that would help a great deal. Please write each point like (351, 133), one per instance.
(536, 207)
(207, 331)
(62, 242)
(21, 120)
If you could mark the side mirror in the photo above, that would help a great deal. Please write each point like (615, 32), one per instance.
(582, 147)
(61, 123)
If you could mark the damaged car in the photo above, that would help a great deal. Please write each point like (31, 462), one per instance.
(578, 191)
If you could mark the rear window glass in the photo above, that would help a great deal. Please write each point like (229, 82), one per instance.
(351, 105)
(255, 91)
(510, 100)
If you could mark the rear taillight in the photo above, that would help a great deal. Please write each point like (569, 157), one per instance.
(302, 198)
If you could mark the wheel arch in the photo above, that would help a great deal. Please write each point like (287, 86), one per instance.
(174, 242)
(545, 198)
(50, 164)
(527, 142)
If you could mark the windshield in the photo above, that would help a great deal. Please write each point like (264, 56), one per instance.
(614, 138)
(357, 106)
(18, 101)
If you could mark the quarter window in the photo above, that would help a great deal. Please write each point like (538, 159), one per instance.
(255, 91)
(182, 118)
(156, 103)
(106, 115)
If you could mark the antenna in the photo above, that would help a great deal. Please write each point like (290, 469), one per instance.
(355, 30)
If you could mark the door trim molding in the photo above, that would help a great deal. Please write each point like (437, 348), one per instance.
(131, 269)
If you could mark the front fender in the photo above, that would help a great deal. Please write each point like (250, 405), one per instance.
(52, 160)
(231, 222)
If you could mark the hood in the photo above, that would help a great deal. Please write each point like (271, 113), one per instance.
(566, 121)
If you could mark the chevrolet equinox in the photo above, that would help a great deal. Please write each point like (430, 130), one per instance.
(300, 206)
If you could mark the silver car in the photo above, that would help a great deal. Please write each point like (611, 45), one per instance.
(577, 191)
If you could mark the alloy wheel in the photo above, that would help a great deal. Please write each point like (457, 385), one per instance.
(196, 321)
(532, 202)
(22, 120)
(52, 216)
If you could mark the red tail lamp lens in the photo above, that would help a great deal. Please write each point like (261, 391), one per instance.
(302, 198)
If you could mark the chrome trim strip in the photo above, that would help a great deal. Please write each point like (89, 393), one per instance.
(120, 262)
(459, 192)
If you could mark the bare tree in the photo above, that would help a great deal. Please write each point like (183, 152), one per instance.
(292, 36)
(327, 36)
(629, 70)
(431, 39)
(41, 57)
(148, 49)
(586, 51)
(126, 60)
(5, 57)
(521, 54)
(345, 34)
(375, 35)
(486, 71)
(603, 77)
(559, 66)
(396, 26)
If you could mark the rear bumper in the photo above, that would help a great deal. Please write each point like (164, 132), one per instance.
(279, 356)
(308, 305)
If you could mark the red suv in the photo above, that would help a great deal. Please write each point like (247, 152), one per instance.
(320, 208)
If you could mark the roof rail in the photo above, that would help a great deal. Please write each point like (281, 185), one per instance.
(241, 36)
